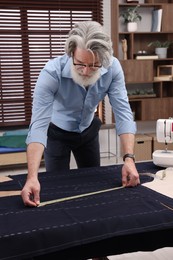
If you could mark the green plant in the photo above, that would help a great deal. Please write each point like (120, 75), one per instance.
(131, 15)
(159, 44)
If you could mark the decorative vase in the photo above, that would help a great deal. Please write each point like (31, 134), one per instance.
(161, 52)
(132, 27)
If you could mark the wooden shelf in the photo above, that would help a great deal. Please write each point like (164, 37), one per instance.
(141, 96)
(141, 73)
(142, 5)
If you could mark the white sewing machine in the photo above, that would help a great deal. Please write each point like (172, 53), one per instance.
(164, 134)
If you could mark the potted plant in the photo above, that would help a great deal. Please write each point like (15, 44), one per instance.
(161, 48)
(131, 16)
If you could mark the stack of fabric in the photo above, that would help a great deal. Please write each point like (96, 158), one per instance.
(12, 142)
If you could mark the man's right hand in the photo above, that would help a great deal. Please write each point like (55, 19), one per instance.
(31, 192)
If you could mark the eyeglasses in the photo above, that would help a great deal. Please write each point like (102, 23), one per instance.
(83, 66)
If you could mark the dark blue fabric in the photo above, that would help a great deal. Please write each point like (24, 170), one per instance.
(11, 149)
(111, 222)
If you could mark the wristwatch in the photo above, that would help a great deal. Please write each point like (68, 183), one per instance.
(129, 155)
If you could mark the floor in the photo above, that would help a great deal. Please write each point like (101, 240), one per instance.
(165, 253)
(23, 169)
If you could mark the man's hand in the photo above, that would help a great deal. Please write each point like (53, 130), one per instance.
(31, 192)
(130, 176)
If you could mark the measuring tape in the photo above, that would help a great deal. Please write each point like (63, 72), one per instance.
(45, 203)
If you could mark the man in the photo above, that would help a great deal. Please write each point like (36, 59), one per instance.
(66, 96)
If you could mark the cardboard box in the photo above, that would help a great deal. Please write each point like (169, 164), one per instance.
(143, 147)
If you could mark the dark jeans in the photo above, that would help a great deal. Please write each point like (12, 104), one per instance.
(84, 146)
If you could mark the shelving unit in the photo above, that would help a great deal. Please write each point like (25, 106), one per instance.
(140, 74)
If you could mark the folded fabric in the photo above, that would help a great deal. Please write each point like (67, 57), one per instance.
(14, 138)
(11, 150)
(16, 132)
(17, 141)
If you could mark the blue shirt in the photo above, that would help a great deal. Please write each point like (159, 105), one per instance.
(58, 99)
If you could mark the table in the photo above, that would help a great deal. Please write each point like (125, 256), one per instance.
(124, 220)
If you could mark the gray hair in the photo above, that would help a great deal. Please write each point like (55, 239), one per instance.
(90, 35)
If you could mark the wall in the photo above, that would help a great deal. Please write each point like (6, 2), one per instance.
(107, 15)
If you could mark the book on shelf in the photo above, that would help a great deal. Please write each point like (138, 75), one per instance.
(156, 20)
(132, 2)
(146, 56)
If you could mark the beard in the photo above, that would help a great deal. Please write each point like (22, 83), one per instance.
(84, 80)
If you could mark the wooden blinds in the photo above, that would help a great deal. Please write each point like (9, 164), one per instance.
(32, 32)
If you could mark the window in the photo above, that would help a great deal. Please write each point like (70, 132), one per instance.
(32, 32)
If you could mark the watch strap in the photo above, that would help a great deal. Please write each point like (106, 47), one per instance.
(129, 155)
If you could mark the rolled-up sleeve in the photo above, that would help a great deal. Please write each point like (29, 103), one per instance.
(119, 100)
(43, 99)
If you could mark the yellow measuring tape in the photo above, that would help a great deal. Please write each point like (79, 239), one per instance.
(45, 203)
